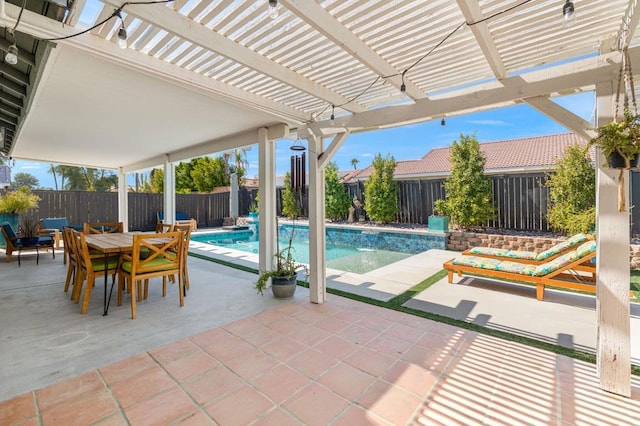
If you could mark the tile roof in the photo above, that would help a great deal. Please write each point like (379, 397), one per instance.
(536, 152)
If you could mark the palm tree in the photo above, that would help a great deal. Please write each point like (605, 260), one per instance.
(354, 163)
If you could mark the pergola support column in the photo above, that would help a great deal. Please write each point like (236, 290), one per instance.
(123, 200)
(169, 202)
(612, 306)
(317, 240)
(267, 203)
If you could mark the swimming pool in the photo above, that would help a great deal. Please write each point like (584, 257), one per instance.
(347, 249)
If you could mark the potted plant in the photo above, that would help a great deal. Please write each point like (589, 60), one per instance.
(15, 202)
(253, 208)
(620, 141)
(29, 229)
(285, 274)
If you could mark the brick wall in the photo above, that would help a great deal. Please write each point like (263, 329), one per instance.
(461, 241)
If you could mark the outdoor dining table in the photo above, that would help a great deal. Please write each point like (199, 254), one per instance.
(112, 244)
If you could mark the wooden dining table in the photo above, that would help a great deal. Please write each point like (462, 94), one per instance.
(111, 244)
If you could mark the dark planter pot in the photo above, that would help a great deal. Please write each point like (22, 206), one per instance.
(282, 287)
(616, 161)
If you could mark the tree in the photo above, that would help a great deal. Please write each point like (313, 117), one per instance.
(24, 179)
(337, 200)
(209, 173)
(354, 163)
(572, 193)
(381, 191)
(290, 207)
(468, 191)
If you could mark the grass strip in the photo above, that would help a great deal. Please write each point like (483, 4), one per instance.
(397, 303)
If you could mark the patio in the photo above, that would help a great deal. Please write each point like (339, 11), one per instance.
(232, 357)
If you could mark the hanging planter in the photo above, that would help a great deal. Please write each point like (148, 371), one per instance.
(619, 140)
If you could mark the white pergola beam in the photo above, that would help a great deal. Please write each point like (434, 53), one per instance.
(629, 23)
(472, 13)
(613, 345)
(267, 203)
(336, 143)
(123, 200)
(318, 17)
(317, 240)
(240, 140)
(538, 83)
(196, 33)
(563, 116)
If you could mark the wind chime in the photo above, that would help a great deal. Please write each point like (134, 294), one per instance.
(298, 177)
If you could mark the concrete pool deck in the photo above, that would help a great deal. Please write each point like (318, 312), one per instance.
(562, 318)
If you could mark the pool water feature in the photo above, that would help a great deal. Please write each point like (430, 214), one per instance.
(351, 250)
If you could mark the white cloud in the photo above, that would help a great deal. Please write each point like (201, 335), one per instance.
(30, 166)
(367, 154)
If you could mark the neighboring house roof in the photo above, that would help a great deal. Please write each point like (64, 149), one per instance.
(536, 153)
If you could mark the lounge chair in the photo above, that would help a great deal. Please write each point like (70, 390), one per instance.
(52, 227)
(18, 244)
(181, 219)
(569, 270)
(531, 257)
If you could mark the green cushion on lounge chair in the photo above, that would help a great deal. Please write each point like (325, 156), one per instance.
(557, 263)
(575, 239)
(522, 255)
(477, 262)
(489, 251)
(516, 268)
(586, 248)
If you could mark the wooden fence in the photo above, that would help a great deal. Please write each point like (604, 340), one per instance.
(520, 200)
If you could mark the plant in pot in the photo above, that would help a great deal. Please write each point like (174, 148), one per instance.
(620, 143)
(29, 229)
(13, 203)
(285, 273)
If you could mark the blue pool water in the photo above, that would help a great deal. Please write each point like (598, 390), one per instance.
(346, 249)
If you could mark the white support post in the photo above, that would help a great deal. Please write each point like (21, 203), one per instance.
(267, 203)
(123, 200)
(612, 305)
(169, 191)
(317, 240)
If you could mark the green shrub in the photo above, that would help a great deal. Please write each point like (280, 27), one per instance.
(572, 193)
(337, 200)
(18, 201)
(290, 207)
(381, 191)
(469, 200)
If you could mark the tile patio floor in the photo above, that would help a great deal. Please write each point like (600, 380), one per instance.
(341, 363)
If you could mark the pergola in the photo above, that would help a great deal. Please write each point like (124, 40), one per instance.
(199, 77)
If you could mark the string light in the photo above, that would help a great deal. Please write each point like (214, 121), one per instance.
(403, 86)
(333, 114)
(568, 14)
(442, 122)
(273, 9)
(122, 32)
(11, 57)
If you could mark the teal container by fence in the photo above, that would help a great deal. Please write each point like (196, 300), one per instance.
(438, 224)
(13, 221)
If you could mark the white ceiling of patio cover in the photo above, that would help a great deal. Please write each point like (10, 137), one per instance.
(93, 112)
(315, 54)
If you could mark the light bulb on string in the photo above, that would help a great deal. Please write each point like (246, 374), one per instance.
(122, 38)
(273, 9)
(333, 115)
(568, 14)
(443, 122)
(12, 55)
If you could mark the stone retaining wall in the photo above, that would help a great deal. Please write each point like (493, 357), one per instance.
(461, 241)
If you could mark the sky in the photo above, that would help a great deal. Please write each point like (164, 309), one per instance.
(411, 141)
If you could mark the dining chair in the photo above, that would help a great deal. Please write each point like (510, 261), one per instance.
(164, 260)
(185, 255)
(164, 227)
(90, 266)
(70, 252)
(103, 228)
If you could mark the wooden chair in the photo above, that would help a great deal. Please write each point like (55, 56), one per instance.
(164, 259)
(53, 227)
(89, 266)
(13, 243)
(566, 271)
(185, 255)
(164, 227)
(70, 251)
(103, 228)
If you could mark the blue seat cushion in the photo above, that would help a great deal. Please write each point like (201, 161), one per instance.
(54, 223)
(42, 241)
(9, 230)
